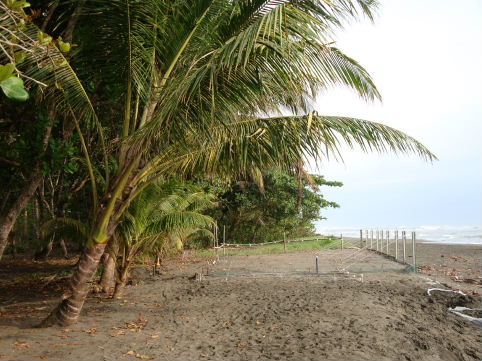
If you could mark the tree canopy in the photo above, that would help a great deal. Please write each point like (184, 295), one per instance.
(159, 89)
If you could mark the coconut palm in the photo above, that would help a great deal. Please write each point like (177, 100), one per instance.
(159, 221)
(204, 84)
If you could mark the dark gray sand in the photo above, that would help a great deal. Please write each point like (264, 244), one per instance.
(388, 316)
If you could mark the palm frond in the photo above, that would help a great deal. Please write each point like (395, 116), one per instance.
(279, 142)
(52, 225)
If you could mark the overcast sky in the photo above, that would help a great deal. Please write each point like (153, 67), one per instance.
(426, 59)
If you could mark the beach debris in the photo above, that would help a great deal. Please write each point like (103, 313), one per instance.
(459, 311)
(138, 355)
(474, 281)
(430, 281)
(430, 290)
(459, 258)
(137, 325)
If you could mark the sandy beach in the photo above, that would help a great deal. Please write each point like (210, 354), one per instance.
(384, 316)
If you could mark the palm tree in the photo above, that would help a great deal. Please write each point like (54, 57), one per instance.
(204, 84)
(159, 221)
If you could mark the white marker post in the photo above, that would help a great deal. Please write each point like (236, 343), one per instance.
(404, 239)
(381, 241)
(396, 245)
(414, 241)
(361, 238)
(387, 241)
(371, 238)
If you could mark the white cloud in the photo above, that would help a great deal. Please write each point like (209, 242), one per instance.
(425, 57)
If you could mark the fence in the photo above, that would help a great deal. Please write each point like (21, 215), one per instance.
(380, 242)
(374, 251)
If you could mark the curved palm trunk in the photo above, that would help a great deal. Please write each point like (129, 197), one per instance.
(68, 311)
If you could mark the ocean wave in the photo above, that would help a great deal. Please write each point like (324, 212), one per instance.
(467, 234)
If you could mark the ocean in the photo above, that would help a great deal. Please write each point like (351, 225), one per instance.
(439, 234)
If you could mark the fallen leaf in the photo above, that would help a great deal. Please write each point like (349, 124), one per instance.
(118, 333)
(240, 345)
(138, 355)
(154, 336)
(144, 357)
(22, 344)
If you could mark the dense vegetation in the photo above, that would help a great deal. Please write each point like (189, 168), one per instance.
(113, 112)
(282, 206)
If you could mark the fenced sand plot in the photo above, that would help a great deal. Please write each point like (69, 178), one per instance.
(171, 316)
(330, 261)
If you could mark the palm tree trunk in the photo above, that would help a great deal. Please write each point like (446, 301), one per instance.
(68, 311)
(121, 283)
(107, 279)
(107, 219)
(119, 289)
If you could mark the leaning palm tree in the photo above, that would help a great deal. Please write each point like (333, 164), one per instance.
(204, 85)
(158, 221)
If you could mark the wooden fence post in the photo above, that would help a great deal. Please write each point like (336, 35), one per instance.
(361, 237)
(341, 236)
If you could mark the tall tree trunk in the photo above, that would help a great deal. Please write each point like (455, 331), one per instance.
(120, 284)
(14, 247)
(20, 203)
(299, 171)
(44, 252)
(64, 248)
(27, 192)
(69, 30)
(68, 311)
(107, 279)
